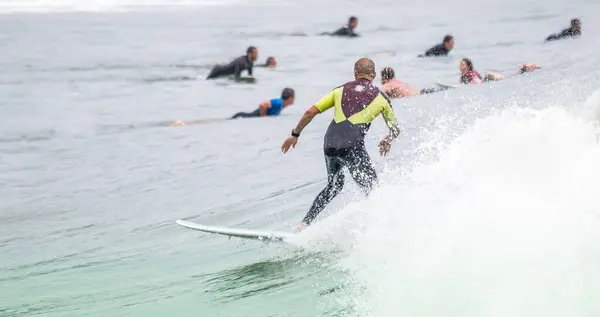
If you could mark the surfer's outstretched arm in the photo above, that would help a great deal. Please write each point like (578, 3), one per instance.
(304, 121)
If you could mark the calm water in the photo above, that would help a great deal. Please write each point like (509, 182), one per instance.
(93, 177)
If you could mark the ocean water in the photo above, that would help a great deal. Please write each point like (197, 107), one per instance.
(487, 205)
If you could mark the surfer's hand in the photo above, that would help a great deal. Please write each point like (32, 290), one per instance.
(178, 123)
(384, 147)
(290, 141)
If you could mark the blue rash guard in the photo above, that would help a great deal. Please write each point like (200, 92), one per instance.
(276, 107)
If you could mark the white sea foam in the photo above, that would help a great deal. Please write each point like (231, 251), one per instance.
(504, 223)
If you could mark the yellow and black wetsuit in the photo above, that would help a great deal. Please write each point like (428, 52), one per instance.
(356, 104)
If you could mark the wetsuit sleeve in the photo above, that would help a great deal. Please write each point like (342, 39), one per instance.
(341, 31)
(250, 69)
(237, 70)
(431, 51)
(326, 102)
(389, 116)
(345, 31)
(437, 50)
(558, 36)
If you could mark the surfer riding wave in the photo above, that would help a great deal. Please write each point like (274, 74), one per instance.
(356, 104)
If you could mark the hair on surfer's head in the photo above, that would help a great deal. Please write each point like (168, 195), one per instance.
(364, 68)
(287, 93)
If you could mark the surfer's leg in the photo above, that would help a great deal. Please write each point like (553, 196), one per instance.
(252, 114)
(362, 169)
(215, 72)
(335, 183)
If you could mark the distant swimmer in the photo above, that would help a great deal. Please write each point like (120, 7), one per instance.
(394, 88)
(573, 31)
(348, 30)
(468, 74)
(270, 107)
(266, 108)
(356, 104)
(523, 68)
(441, 49)
(236, 67)
(270, 63)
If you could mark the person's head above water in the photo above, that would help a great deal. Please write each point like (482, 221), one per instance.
(465, 65)
(449, 41)
(352, 22)
(288, 95)
(576, 25)
(364, 68)
(387, 74)
(271, 62)
(252, 53)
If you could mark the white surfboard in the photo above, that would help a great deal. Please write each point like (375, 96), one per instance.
(277, 236)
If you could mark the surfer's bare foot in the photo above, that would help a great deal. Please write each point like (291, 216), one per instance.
(301, 227)
(178, 123)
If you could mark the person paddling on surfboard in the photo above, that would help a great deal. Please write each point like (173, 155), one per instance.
(270, 107)
(468, 74)
(572, 32)
(347, 30)
(393, 87)
(356, 104)
(236, 67)
(441, 49)
(397, 89)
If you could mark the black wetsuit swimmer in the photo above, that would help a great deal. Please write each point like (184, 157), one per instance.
(348, 30)
(345, 31)
(253, 114)
(236, 66)
(356, 104)
(441, 49)
(573, 31)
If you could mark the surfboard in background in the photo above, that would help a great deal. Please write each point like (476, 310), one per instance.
(245, 80)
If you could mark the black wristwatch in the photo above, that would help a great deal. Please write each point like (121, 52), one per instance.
(295, 134)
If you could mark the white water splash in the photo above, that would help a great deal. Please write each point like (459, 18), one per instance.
(505, 223)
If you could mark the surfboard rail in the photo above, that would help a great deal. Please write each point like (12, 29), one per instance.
(263, 235)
